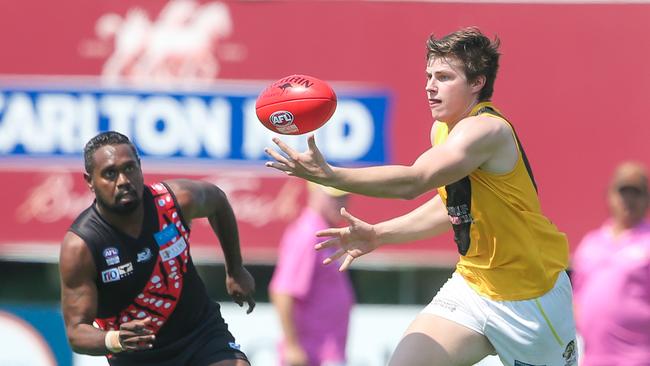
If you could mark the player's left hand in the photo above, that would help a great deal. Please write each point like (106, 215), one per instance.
(241, 287)
(353, 241)
(310, 165)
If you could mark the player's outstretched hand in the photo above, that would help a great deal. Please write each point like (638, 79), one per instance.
(310, 165)
(136, 335)
(355, 240)
(241, 287)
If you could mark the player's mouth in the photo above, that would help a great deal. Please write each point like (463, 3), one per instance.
(126, 196)
(434, 102)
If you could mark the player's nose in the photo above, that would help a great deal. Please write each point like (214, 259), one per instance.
(123, 179)
(431, 87)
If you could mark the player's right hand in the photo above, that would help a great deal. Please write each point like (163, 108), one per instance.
(241, 287)
(355, 240)
(310, 165)
(136, 335)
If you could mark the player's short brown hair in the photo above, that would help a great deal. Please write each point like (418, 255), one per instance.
(478, 54)
(103, 139)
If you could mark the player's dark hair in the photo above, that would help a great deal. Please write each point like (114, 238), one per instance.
(478, 54)
(103, 139)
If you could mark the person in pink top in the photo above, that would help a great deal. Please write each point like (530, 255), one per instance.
(313, 301)
(611, 277)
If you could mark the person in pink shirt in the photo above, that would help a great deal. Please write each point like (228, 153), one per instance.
(313, 301)
(611, 277)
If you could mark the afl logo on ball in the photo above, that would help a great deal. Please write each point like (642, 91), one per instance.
(281, 118)
(283, 122)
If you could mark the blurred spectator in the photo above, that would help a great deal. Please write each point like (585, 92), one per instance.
(612, 276)
(313, 301)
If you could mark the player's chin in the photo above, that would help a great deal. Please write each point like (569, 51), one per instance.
(439, 114)
(126, 205)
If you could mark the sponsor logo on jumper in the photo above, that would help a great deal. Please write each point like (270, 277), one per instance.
(144, 255)
(110, 252)
(166, 235)
(111, 255)
(173, 250)
(117, 273)
(125, 269)
(110, 275)
(459, 214)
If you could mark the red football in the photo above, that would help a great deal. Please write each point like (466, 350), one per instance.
(295, 105)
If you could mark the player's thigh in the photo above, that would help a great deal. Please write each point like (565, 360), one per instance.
(431, 340)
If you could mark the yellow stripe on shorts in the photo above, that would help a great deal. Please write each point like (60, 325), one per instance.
(557, 336)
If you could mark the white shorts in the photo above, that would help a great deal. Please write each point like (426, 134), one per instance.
(538, 331)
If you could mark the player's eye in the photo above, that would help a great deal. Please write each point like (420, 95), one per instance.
(109, 174)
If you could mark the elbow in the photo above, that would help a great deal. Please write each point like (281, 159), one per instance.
(78, 344)
(75, 346)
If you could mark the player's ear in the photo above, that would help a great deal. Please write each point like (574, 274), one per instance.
(89, 182)
(478, 83)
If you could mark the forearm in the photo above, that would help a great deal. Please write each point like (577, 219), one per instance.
(284, 308)
(229, 240)
(86, 339)
(388, 181)
(224, 225)
(426, 221)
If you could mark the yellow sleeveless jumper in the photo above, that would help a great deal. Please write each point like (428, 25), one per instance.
(509, 249)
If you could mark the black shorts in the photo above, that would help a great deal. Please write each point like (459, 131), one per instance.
(209, 343)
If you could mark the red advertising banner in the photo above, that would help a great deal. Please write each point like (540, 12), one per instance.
(573, 80)
(44, 202)
(41, 203)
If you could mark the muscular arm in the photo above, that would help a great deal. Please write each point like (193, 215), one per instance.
(202, 199)
(471, 143)
(79, 297)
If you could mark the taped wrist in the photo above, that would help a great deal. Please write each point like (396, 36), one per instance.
(112, 341)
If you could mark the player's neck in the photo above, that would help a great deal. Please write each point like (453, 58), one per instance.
(128, 223)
